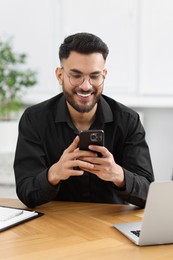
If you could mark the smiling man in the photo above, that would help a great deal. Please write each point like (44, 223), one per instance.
(48, 164)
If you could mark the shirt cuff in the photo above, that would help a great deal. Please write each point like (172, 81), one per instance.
(45, 185)
(129, 181)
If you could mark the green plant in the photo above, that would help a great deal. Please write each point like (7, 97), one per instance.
(14, 77)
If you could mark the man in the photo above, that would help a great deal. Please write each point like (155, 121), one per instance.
(48, 164)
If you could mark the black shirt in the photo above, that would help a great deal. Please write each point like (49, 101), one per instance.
(46, 130)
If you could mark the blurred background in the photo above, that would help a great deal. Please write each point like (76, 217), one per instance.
(139, 34)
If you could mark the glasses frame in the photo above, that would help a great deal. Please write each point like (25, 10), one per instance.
(84, 77)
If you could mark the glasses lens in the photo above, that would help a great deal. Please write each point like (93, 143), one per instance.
(76, 80)
(96, 80)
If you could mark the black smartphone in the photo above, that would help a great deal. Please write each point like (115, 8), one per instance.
(91, 137)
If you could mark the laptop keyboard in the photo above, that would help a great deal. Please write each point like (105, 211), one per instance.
(136, 232)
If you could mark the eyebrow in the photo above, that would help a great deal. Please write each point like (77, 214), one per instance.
(80, 72)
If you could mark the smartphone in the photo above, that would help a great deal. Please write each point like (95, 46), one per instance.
(91, 137)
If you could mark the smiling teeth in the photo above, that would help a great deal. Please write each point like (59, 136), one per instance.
(84, 95)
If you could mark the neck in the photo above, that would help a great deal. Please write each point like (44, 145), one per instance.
(82, 121)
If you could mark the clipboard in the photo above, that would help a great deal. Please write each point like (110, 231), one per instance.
(11, 216)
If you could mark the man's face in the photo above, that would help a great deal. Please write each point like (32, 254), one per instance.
(82, 77)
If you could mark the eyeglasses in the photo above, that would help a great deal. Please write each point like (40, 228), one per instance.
(76, 79)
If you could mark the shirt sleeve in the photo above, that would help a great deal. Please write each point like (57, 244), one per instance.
(30, 166)
(136, 163)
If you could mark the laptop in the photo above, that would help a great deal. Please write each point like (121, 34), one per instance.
(157, 225)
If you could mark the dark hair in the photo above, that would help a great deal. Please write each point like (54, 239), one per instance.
(85, 43)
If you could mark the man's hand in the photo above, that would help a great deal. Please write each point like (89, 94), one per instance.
(68, 162)
(105, 167)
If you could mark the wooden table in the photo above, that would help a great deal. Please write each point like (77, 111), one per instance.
(75, 231)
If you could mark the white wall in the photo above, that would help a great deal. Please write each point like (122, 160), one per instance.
(31, 25)
(158, 123)
(140, 39)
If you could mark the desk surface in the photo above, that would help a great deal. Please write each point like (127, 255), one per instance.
(75, 231)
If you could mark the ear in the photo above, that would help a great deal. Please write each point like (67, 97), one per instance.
(105, 72)
(59, 75)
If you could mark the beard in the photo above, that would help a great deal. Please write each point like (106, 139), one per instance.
(82, 106)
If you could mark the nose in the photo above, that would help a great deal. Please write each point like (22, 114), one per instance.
(86, 84)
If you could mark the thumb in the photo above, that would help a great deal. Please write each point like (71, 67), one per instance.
(73, 145)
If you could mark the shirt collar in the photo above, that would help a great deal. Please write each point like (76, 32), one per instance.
(104, 111)
(62, 111)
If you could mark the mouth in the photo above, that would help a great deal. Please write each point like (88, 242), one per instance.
(84, 95)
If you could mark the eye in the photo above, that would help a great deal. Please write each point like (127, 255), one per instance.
(76, 76)
(94, 77)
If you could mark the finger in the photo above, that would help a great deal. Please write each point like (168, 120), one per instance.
(100, 149)
(92, 159)
(73, 145)
(81, 153)
(77, 172)
(81, 164)
(78, 155)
